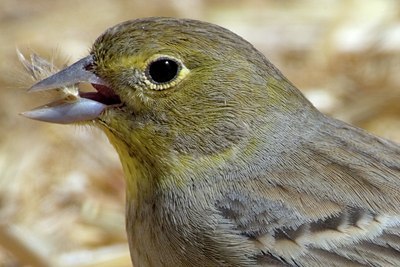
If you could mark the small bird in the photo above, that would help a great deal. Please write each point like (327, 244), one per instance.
(226, 162)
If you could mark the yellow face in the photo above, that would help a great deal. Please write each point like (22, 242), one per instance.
(181, 83)
(170, 88)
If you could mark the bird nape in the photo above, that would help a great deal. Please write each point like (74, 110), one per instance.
(226, 162)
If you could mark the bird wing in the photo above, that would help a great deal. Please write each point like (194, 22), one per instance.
(332, 201)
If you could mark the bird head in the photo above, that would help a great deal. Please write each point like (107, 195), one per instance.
(174, 90)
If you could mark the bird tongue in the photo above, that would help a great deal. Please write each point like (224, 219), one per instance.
(103, 95)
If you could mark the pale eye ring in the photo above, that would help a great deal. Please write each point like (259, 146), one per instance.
(163, 70)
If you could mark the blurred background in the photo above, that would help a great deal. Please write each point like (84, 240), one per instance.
(61, 187)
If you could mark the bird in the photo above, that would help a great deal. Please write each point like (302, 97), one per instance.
(226, 162)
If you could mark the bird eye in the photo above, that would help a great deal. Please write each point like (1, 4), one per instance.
(163, 70)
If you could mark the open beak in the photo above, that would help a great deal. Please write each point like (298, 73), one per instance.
(86, 107)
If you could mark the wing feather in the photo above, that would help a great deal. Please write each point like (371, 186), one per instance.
(328, 201)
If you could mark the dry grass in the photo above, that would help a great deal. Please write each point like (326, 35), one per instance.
(61, 187)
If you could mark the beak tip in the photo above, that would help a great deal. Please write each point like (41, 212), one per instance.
(22, 114)
(39, 86)
(33, 88)
(29, 114)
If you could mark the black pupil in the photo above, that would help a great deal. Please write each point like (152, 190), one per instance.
(163, 70)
